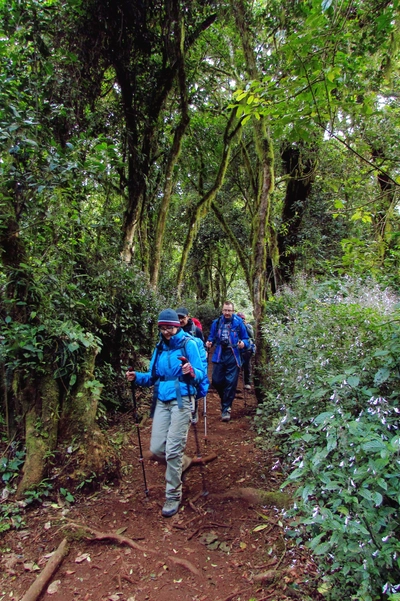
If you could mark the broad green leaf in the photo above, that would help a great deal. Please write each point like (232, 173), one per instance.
(323, 548)
(381, 376)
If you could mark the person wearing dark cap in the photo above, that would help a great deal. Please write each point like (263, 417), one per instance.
(174, 387)
(187, 323)
(247, 353)
(190, 327)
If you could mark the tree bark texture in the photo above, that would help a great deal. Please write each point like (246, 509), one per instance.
(261, 230)
(174, 152)
(301, 176)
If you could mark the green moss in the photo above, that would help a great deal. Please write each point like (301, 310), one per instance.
(275, 499)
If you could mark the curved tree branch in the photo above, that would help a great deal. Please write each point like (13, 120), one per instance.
(204, 203)
(243, 259)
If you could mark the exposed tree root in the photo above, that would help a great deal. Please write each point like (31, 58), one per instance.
(186, 564)
(117, 538)
(204, 460)
(269, 576)
(123, 540)
(256, 496)
(233, 595)
(36, 589)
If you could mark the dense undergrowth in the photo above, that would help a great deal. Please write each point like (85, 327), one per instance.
(331, 411)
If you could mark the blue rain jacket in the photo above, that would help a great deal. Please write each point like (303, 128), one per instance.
(237, 332)
(167, 371)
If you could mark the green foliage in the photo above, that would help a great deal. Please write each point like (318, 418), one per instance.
(10, 468)
(11, 517)
(84, 484)
(11, 513)
(67, 495)
(30, 347)
(333, 378)
(38, 494)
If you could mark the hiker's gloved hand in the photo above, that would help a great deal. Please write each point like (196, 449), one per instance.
(188, 370)
(130, 375)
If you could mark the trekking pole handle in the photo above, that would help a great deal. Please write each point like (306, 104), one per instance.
(131, 371)
(188, 371)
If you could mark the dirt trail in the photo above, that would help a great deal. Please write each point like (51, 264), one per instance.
(215, 549)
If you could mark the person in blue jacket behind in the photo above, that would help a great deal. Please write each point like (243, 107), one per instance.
(175, 389)
(229, 335)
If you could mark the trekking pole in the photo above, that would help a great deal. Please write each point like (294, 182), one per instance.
(196, 436)
(205, 410)
(203, 477)
(136, 418)
(244, 388)
(205, 418)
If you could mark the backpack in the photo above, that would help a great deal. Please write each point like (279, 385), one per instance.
(197, 323)
(250, 332)
(203, 385)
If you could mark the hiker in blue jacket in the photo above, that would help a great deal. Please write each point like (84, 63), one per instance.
(174, 387)
(229, 335)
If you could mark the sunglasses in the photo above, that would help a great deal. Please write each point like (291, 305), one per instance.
(166, 328)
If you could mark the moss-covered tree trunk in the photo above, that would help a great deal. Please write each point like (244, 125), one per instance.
(202, 207)
(262, 205)
(41, 399)
(175, 148)
(64, 427)
(93, 455)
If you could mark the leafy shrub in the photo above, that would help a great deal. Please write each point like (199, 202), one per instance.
(110, 306)
(31, 347)
(10, 467)
(332, 411)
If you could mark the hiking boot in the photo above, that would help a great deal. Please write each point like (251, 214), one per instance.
(247, 386)
(171, 507)
(226, 416)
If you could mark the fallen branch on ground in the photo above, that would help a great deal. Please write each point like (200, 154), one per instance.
(36, 589)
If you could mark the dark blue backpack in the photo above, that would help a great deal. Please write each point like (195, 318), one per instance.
(203, 386)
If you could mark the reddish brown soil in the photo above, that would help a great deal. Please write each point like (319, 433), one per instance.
(209, 551)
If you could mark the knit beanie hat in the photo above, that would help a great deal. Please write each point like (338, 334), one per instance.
(169, 317)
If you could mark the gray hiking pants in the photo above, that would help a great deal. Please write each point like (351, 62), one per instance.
(168, 440)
